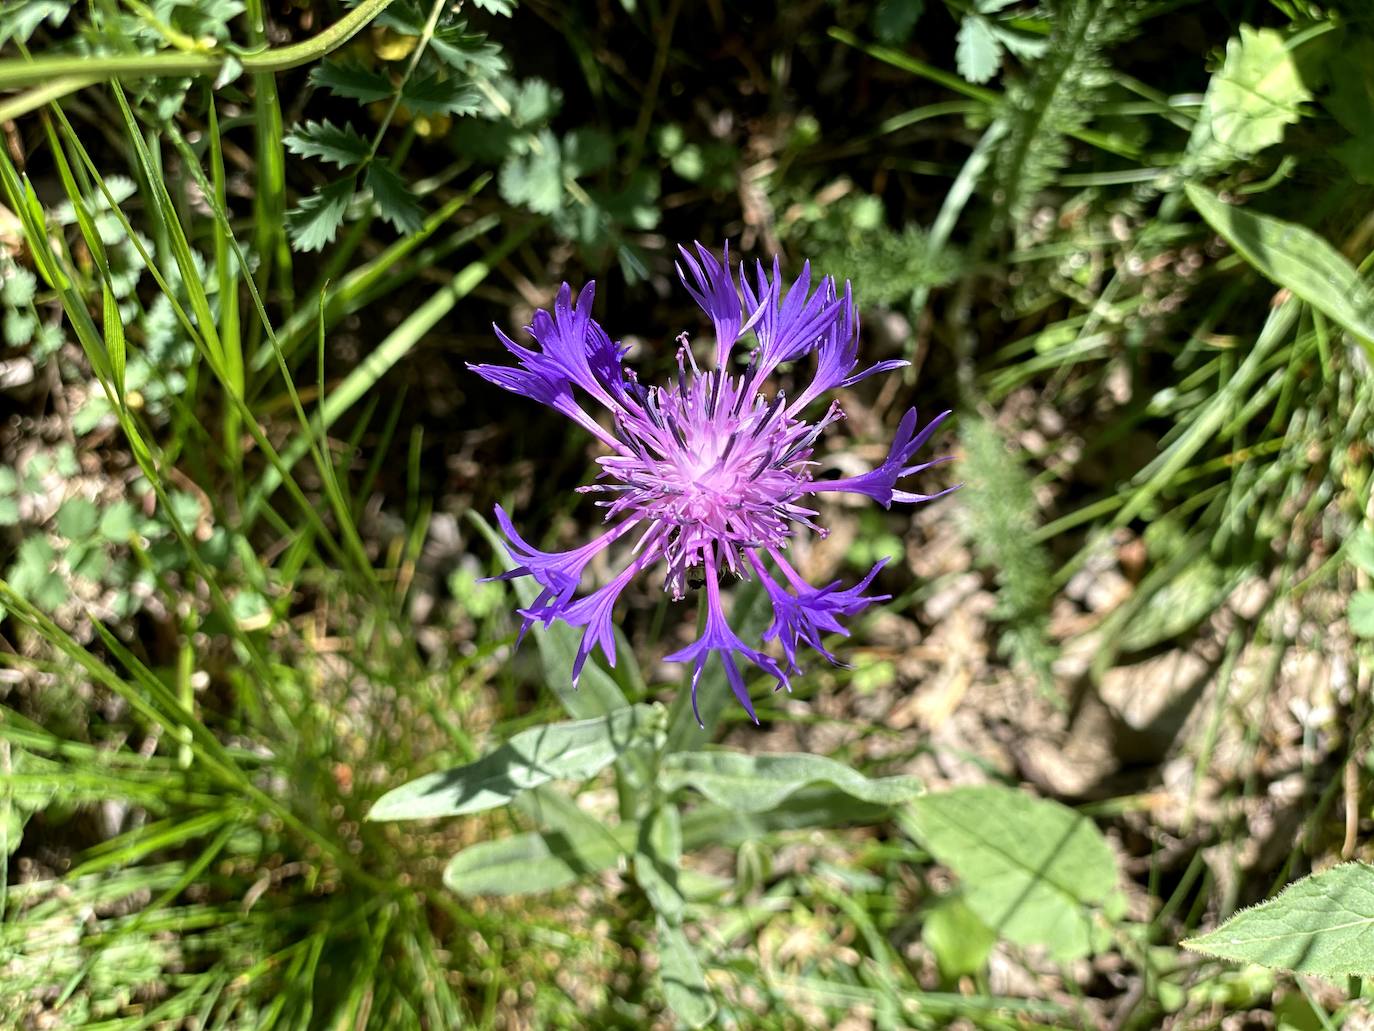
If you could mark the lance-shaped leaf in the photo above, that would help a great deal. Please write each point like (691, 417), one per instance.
(574, 750)
(757, 783)
(573, 845)
(684, 984)
(658, 860)
(1322, 925)
(1297, 258)
(1034, 871)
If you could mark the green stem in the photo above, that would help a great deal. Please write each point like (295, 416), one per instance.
(45, 70)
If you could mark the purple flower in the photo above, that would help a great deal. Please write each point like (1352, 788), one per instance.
(713, 471)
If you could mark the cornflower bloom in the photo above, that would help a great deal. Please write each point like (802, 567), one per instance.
(712, 471)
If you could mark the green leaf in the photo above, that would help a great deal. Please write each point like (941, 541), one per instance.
(77, 519)
(20, 21)
(960, 941)
(118, 522)
(1034, 871)
(757, 783)
(1319, 925)
(658, 861)
(395, 202)
(9, 511)
(1294, 257)
(317, 219)
(557, 751)
(534, 180)
(597, 693)
(1360, 551)
(20, 287)
(541, 861)
(978, 54)
(348, 79)
(432, 95)
(535, 102)
(1362, 614)
(18, 327)
(343, 146)
(1256, 93)
(586, 151)
(684, 984)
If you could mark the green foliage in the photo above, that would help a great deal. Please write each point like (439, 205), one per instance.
(1257, 92)
(984, 37)
(1295, 257)
(1000, 524)
(850, 239)
(758, 783)
(1318, 925)
(1033, 871)
(1056, 100)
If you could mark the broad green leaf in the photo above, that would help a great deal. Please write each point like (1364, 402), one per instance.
(1294, 257)
(658, 860)
(77, 519)
(684, 984)
(557, 751)
(1034, 871)
(324, 140)
(961, 942)
(757, 783)
(1319, 925)
(978, 53)
(572, 845)
(1256, 93)
(596, 694)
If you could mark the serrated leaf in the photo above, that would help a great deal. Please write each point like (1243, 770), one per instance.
(535, 180)
(77, 519)
(684, 984)
(1294, 257)
(395, 203)
(342, 145)
(758, 783)
(1256, 93)
(504, 8)
(433, 95)
(978, 54)
(118, 521)
(348, 79)
(1319, 925)
(20, 21)
(573, 750)
(535, 102)
(1362, 614)
(317, 218)
(1034, 871)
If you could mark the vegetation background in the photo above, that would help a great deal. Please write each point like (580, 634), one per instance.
(1122, 688)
